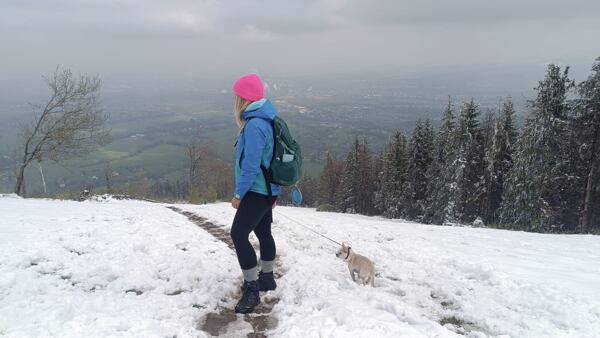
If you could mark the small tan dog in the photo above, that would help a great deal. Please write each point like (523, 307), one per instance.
(358, 264)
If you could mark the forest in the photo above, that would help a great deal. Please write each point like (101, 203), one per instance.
(480, 168)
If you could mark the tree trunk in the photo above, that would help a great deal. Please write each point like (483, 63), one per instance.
(20, 185)
(108, 174)
(585, 215)
(43, 179)
(191, 177)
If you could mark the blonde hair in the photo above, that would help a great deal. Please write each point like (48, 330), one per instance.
(238, 108)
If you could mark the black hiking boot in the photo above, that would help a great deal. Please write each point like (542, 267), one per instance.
(250, 298)
(266, 282)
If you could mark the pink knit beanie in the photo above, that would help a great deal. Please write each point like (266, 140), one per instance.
(249, 87)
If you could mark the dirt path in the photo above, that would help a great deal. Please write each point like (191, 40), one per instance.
(224, 321)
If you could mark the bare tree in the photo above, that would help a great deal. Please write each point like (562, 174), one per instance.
(71, 124)
(209, 176)
(195, 155)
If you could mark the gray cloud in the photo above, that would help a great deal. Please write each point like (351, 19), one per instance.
(434, 12)
(273, 16)
(182, 36)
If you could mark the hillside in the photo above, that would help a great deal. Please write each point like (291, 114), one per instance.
(153, 121)
(139, 269)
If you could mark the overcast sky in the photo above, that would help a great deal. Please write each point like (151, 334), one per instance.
(291, 37)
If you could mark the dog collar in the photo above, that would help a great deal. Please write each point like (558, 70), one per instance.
(348, 255)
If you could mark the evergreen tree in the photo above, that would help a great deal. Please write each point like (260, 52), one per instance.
(420, 158)
(589, 126)
(392, 180)
(488, 127)
(329, 181)
(466, 167)
(346, 191)
(569, 176)
(309, 191)
(377, 177)
(499, 160)
(439, 177)
(357, 187)
(532, 193)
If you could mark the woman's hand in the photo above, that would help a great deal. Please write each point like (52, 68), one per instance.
(274, 205)
(235, 203)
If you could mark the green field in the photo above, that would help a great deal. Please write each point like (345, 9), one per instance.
(154, 146)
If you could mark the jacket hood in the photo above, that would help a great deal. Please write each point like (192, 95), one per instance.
(262, 108)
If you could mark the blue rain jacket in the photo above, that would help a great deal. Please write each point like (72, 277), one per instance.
(255, 146)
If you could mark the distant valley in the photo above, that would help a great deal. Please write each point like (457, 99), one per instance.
(153, 122)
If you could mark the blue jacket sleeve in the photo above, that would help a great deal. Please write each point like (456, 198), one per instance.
(255, 140)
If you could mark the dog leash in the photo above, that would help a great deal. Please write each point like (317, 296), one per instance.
(309, 229)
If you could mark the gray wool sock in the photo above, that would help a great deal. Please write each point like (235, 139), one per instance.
(267, 266)
(250, 275)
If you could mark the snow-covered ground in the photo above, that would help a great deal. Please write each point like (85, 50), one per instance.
(138, 269)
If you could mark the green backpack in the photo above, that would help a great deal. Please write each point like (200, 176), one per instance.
(286, 165)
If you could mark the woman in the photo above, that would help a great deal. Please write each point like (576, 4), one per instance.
(252, 199)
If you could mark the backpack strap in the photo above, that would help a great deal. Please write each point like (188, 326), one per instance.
(267, 177)
(267, 174)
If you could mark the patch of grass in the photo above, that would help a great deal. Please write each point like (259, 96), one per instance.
(326, 208)
(462, 326)
(175, 293)
(452, 320)
(67, 195)
(160, 159)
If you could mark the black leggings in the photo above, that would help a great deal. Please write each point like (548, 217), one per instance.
(254, 214)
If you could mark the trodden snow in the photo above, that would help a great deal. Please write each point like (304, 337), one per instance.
(137, 269)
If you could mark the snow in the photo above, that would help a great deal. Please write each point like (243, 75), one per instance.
(72, 269)
(66, 269)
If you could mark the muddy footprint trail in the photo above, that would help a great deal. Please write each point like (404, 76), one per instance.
(224, 321)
